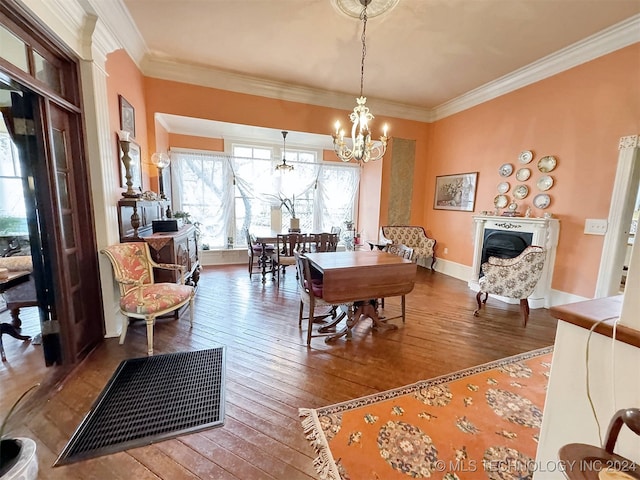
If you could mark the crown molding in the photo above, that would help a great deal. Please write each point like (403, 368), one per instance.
(614, 38)
(173, 70)
(118, 22)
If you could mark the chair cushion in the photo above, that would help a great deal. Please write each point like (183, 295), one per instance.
(156, 297)
(17, 263)
(316, 288)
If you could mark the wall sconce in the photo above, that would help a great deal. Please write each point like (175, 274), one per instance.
(125, 143)
(162, 161)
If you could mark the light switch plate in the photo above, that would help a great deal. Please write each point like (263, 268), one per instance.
(595, 226)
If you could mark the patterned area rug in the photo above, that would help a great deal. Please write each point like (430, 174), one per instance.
(482, 422)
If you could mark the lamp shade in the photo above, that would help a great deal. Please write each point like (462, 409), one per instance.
(160, 160)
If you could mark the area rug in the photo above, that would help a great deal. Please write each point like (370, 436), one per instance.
(151, 399)
(482, 422)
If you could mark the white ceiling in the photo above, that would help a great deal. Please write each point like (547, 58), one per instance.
(422, 54)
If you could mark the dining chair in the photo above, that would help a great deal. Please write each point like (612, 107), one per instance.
(287, 244)
(255, 251)
(311, 294)
(515, 277)
(587, 462)
(405, 252)
(326, 242)
(140, 296)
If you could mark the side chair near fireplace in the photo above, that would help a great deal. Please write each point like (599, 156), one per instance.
(140, 296)
(512, 278)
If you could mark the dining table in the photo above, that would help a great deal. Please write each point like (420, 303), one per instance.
(356, 279)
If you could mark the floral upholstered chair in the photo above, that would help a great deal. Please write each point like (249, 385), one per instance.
(512, 278)
(140, 296)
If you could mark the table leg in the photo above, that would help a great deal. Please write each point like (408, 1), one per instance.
(357, 311)
(263, 261)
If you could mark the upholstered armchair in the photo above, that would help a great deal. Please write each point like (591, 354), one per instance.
(512, 278)
(140, 296)
(414, 237)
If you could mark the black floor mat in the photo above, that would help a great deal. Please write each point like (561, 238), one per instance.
(151, 399)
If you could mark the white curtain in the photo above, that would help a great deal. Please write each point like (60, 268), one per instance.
(227, 195)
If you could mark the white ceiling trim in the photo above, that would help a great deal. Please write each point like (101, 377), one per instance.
(118, 21)
(614, 38)
(167, 69)
(117, 17)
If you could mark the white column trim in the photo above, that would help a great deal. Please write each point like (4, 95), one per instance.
(612, 257)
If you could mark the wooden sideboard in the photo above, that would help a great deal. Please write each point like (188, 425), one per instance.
(179, 247)
(135, 219)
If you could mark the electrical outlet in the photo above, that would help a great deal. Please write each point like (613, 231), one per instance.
(595, 226)
(446, 250)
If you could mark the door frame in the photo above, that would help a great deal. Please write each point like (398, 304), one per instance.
(623, 197)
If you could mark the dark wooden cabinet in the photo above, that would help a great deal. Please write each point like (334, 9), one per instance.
(179, 247)
(135, 218)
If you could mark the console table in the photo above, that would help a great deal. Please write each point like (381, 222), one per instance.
(179, 247)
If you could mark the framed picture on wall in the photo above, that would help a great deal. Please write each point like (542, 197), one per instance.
(136, 167)
(127, 116)
(456, 192)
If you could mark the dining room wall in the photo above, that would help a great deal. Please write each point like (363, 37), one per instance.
(578, 116)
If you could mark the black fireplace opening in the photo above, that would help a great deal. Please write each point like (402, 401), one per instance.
(504, 244)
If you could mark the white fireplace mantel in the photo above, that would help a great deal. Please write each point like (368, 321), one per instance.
(544, 234)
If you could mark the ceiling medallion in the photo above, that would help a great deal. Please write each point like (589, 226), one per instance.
(353, 8)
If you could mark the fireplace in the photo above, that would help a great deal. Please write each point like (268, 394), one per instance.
(506, 238)
(504, 244)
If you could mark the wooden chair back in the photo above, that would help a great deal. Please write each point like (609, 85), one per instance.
(400, 250)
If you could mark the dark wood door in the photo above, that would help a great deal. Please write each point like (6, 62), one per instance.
(79, 302)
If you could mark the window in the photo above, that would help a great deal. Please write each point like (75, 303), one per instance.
(228, 194)
(13, 215)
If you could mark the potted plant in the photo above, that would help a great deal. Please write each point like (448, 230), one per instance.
(17, 455)
(290, 205)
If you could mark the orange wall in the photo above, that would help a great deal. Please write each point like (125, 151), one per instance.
(209, 103)
(125, 79)
(578, 116)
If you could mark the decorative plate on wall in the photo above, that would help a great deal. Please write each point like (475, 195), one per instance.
(545, 183)
(503, 187)
(506, 170)
(547, 164)
(542, 200)
(500, 201)
(521, 191)
(525, 156)
(523, 174)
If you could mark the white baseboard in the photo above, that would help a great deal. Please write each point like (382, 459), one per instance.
(453, 269)
(562, 298)
(223, 257)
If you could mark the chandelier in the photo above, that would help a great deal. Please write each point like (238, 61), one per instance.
(363, 149)
(283, 166)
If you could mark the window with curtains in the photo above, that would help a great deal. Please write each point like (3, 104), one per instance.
(227, 194)
(13, 216)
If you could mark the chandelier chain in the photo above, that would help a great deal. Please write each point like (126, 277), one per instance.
(364, 47)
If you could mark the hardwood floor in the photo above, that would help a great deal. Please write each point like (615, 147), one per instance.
(270, 373)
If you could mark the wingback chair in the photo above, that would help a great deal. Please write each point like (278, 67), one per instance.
(140, 296)
(512, 278)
